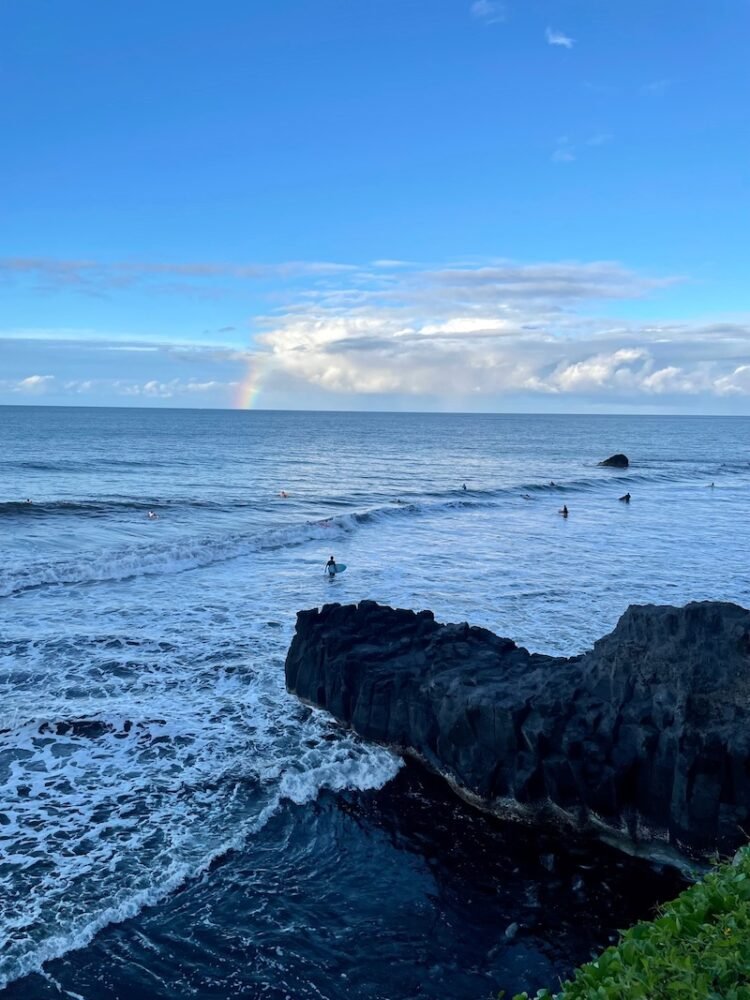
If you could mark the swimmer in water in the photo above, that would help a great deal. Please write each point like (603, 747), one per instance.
(626, 498)
(151, 516)
(464, 486)
(31, 501)
(283, 494)
(563, 510)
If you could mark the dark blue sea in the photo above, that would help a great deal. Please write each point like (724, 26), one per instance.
(173, 824)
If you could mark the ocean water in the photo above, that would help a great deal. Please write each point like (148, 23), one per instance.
(172, 823)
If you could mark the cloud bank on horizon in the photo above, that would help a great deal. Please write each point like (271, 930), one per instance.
(471, 205)
(486, 334)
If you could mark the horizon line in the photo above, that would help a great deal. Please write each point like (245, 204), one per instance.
(424, 413)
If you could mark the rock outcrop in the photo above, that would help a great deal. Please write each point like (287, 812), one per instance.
(617, 461)
(648, 734)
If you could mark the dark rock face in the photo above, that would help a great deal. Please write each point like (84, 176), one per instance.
(617, 461)
(647, 734)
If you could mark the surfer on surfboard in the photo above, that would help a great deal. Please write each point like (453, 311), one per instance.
(331, 567)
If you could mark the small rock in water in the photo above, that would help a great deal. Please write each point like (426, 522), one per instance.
(618, 461)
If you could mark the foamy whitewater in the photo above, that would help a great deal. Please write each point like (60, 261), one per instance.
(166, 822)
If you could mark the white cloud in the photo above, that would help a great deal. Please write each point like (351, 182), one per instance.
(150, 389)
(736, 383)
(489, 11)
(467, 356)
(600, 370)
(558, 38)
(81, 386)
(174, 387)
(565, 151)
(212, 386)
(499, 330)
(34, 384)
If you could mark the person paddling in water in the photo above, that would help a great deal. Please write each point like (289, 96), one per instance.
(564, 510)
(331, 567)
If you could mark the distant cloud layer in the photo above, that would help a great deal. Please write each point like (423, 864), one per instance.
(102, 277)
(465, 333)
(503, 329)
(41, 385)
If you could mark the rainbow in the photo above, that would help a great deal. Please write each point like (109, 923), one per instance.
(249, 388)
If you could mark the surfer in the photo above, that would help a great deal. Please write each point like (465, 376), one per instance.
(563, 510)
(626, 498)
(464, 486)
(331, 567)
(151, 516)
(283, 494)
(31, 501)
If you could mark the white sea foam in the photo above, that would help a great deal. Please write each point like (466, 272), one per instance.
(177, 557)
(104, 812)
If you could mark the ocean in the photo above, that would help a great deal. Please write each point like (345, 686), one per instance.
(173, 824)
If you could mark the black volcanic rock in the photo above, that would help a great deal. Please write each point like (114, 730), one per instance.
(617, 461)
(646, 734)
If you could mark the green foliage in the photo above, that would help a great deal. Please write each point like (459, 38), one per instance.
(697, 949)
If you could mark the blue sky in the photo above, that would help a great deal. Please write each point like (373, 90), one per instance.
(401, 204)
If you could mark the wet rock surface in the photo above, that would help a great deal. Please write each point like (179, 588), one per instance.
(646, 735)
(618, 461)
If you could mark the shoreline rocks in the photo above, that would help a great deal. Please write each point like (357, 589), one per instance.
(645, 737)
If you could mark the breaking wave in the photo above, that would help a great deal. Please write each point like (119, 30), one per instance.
(187, 554)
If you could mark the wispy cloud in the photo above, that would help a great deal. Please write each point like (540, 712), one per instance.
(489, 11)
(601, 89)
(191, 278)
(563, 152)
(566, 151)
(656, 88)
(558, 38)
